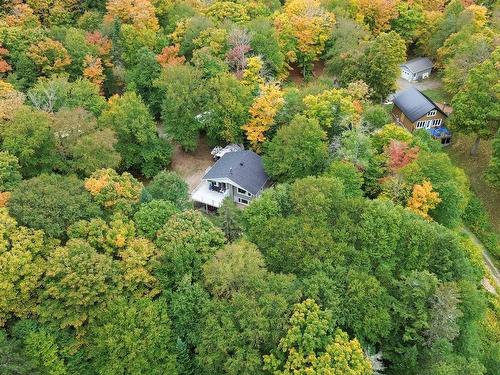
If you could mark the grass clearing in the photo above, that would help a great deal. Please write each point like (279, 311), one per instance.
(475, 168)
(437, 95)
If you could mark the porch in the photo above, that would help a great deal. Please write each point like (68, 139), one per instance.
(209, 195)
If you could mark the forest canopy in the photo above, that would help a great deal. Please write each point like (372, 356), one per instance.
(353, 262)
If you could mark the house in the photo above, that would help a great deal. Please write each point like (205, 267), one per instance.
(414, 110)
(416, 69)
(238, 174)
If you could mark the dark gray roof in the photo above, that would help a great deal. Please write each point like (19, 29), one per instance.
(244, 168)
(418, 65)
(414, 104)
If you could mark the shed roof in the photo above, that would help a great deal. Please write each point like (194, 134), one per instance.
(414, 104)
(244, 168)
(418, 65)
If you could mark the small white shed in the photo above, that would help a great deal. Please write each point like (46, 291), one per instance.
(416, 69)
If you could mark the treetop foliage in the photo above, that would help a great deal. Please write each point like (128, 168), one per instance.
(352, 262)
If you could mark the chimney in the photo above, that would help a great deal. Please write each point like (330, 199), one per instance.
(230, 170)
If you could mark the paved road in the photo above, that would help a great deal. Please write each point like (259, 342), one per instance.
(495, 274)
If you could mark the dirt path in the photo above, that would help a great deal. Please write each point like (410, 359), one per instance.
(495, 274)
(191, 166)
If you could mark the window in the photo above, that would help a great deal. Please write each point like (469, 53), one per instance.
(420, 124)
(436, 122)
(242, 191)
(432, 113)
(242, 201)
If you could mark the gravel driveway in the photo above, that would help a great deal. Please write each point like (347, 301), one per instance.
(430, 83)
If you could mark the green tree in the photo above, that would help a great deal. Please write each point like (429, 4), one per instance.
(229, 219)
(182, 89)
(133, 337)
(232, 342)
(9, 171)
(51, 203)
(22, 265)
(78, 283)
(351, 177)
(264, 42)
(152, 215)
(409, 21)
(169, 186)
(375, 116)
(476, 108)
(229, 101)
(82, 147)
(311, 345)
(52, 94)
(138, 141)
(296, 151)
(379, 64)
(28, 136)
(141, 77)
(186, 241)
(345, 45)
(42, 349)
(12, 358)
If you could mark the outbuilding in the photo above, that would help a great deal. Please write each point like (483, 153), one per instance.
(416, 69)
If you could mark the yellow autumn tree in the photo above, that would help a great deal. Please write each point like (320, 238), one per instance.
(139, 13)
(377, 14)
(331, 107)
(118, 193)
(423, 199)
(252, 73)
(263, 110)
(303, 29)
(49, 56)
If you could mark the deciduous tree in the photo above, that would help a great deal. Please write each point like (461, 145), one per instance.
(169, 186)
(297, 150)
(311, 345)
(138, 141)
(423, 199)
(51, 203)
(263, 111)
(28, 136)
(182, 108)
(114, 192)
(476, 108)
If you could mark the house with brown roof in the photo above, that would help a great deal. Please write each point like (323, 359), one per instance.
(414, 110)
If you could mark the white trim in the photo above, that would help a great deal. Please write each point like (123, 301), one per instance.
(420, 125)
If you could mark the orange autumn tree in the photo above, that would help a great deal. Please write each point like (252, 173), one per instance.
(170, 56)
(93, 70)
(263, 110)
(423, 199)
(103, 44)
(4, 65)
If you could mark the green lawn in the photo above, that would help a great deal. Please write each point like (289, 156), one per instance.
(437, 95)
(475, 167)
